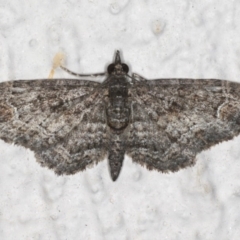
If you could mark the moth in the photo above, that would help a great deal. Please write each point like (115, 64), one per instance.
(161, 124)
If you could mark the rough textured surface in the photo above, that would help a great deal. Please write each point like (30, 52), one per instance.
(162, 124)
(175, 119)
(62, 121)
(159, 39)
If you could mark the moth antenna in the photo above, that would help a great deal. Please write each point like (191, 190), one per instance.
(81, 75)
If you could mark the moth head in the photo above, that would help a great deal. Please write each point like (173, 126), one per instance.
(118, 67)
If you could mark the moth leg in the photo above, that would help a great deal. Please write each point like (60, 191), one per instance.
(137, 77)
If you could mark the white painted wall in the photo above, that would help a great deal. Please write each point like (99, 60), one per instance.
(159, 39)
